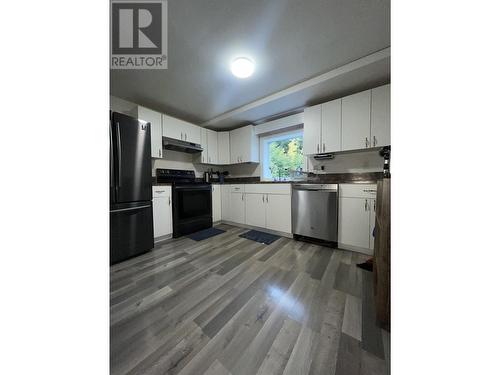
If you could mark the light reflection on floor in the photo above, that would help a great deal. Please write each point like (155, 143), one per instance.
(287, 302)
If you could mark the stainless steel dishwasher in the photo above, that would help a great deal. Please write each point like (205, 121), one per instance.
(315, 211)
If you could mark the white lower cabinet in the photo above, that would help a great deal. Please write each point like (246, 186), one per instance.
(225, 195)
(357, 217)
(279, 212)
(162, 211)
(216, 203)
(255, 213)
(237, 207)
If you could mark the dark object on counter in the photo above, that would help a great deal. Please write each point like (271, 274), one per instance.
(191, 201)
(206, 177)
(260, 237)
(205, 233)
(367, 266)
(221, 176)
(131, 212)
(386, 154)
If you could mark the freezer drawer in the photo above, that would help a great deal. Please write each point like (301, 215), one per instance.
(131, 230)
(315, 213)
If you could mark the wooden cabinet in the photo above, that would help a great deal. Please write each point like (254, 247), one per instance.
(154, 118)
(356, 121)
(223, 148)
(181, 130)
(381, 116)
(312, 130)
(322, 128)
(244, 145)
(162, 212)
(216, 203)
(357, 217)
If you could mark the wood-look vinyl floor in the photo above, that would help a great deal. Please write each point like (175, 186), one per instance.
(231, 306)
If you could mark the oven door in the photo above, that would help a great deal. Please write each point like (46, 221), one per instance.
(192, 209)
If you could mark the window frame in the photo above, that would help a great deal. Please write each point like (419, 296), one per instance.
(264, 151)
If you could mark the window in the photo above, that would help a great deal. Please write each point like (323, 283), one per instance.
(281, 155)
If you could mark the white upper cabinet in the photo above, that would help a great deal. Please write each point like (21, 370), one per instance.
(312, 130)
(381, 116)
(212, 144)
(204, 145)
(331, 126)
(223, 148)
(356, 121)
(244, 145)
(181, 130)
(154, 118)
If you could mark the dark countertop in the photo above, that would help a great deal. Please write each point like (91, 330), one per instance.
(333, 178)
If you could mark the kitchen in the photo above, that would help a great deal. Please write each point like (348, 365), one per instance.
(258, 224)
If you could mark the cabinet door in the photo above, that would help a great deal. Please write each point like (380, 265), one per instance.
(373, 207)
(381, 116)
(162, 216)
(354, 222)
(223, 148)
(212, 147)
(279, 213)
(226, 202)
(192, 132)
(204, 144)
(331, 126)
(172, 127)
(154, 118)
(312, 130)
(356, 121)
(216, 203)
(255, 210)
(235, 141)
(238, 207)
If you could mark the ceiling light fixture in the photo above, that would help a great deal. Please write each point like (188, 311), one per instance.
(242, 67)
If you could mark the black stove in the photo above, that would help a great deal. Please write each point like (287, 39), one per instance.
(191, 201)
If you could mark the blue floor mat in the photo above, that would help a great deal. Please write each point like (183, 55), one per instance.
(261, 237)
(205, 233)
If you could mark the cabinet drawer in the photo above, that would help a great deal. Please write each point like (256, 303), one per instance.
(282, 189)
(358, 190)
(237, 188)
(161, 191)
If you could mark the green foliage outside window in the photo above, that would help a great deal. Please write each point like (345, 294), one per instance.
(284, 156)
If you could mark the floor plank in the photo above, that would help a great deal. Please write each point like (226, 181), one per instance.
(230, 306)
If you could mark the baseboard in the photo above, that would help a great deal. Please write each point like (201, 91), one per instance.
(356, 249)
(163, 238)
(270, 231)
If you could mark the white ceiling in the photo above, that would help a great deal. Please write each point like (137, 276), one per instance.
(291, 41)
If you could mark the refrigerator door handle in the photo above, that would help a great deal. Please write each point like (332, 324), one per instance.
(119, 148)
(130, 209)
(111, 156)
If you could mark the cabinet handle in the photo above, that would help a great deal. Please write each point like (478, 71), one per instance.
(317, 147)
(242, 198)
(374, 141)
(267, 198)
(374, 205)
(182, 136)
(366, 142)
(366, 204)
(262, 198)
(169, 200)
(323, 147)
(159, 153)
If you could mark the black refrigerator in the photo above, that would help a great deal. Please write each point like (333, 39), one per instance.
(131, 212)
